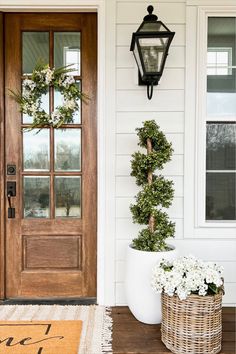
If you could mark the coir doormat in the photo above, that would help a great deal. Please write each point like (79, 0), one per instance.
(86, 327)
(40, 337)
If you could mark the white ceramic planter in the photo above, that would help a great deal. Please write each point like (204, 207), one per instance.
(143, 302)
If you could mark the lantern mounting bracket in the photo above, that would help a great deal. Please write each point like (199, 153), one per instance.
(142, 82)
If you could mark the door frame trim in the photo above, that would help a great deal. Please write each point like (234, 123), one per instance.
(2, 162)
(105, 135)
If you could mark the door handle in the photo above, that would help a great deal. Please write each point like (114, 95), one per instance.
(11, 188)
(11, 192)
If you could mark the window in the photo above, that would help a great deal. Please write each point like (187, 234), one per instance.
(220, 199)
(210, 123)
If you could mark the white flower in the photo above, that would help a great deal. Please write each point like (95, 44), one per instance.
(68, 80)
(71, 104)
(185, 276)
(29, 84)
(30, 108)
(203, 290)
(182, 292)
(55, 117)
(34, 108)
(28, 87)
(48, 75)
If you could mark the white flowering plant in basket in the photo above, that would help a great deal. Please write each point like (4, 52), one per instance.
(186, 276)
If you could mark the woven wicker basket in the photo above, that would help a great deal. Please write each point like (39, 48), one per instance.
(192, 326)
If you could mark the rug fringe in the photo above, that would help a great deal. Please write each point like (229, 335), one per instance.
(107, 332)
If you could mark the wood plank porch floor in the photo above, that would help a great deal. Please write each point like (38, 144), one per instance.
(133, 337)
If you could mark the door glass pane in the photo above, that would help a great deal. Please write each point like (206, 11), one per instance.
(58, 101)
(67, 51)
(221, 58)
(221, 196)
(44, 105)
(68, 196)
(68, 149)
(221, 146)
(36, 150)
(35, 47)
(36, 197)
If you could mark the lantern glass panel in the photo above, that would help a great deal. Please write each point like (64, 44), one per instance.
(153, 52)
(137, 58)
(152, 27)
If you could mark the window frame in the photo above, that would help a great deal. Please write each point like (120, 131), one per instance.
(195, 224)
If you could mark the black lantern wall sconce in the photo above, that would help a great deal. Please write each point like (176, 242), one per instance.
(150, 45)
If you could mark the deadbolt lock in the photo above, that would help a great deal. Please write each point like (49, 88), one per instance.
(11, 170)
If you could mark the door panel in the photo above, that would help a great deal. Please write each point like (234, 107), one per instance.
(51, 242)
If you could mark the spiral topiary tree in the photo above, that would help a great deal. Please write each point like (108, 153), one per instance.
(157, 192)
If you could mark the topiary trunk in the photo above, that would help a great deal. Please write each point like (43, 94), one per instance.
(157, 192)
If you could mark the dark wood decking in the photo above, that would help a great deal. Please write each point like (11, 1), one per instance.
(133, 337)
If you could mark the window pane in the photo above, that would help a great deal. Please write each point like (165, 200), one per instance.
(68, 149)
(221, 147)
(223, 58)
(36, 150)
(58, 101)
(220, 196)
(221, 95)
(35, 48)
(211, 58)
(67, 50)
(68, 196)
(36, 197)
(221, 77)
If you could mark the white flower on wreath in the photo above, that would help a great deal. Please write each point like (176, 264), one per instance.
(33, 108)
(29, 84)
(55, 117)
(69, 80)
(69, 104)
(46, 75)
(30, 107)
(49, 74)
(28, 87)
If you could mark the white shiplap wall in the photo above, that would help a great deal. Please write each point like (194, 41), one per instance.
(167, 108)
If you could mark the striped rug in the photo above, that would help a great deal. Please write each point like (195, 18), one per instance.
(96, 337)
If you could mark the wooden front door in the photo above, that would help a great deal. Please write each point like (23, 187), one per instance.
(51, 241)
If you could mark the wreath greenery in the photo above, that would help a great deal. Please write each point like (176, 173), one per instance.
(38, 84)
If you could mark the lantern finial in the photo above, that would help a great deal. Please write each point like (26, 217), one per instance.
(150, 16)
(150, 9)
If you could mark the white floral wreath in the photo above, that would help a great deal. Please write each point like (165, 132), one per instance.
(38, 84)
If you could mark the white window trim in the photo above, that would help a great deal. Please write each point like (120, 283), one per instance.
(106, 11)
(195, 225)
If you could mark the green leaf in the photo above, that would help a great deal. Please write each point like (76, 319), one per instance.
(156, 193)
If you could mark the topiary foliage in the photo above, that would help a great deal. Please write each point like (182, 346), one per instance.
(157, 192)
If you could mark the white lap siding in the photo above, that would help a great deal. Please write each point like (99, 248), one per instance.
(167, 107)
